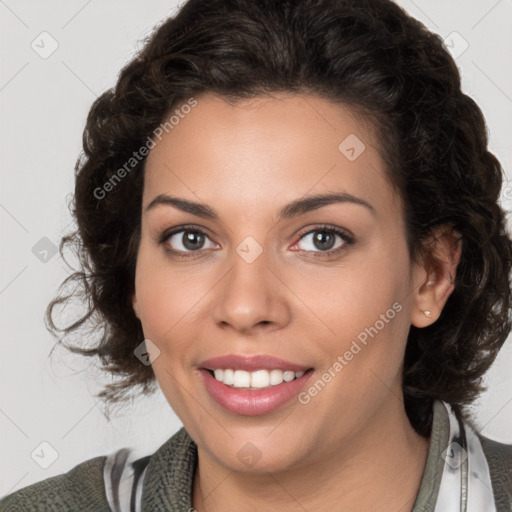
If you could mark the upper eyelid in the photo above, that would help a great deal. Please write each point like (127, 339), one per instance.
(327, 227)
(167, 232)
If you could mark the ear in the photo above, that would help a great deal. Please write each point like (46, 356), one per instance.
(135, 305)
(435, 276)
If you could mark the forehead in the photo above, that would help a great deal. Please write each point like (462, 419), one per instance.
(256, 153)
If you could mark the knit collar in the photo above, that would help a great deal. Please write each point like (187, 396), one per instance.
(169, 478)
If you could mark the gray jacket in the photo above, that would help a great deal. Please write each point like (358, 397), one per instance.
(165, 478)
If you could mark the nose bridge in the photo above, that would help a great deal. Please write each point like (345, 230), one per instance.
(248, 293)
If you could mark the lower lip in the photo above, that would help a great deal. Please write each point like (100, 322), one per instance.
(253, 402)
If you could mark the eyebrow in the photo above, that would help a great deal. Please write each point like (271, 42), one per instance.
(293, 209)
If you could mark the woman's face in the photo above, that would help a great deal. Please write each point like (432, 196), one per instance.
(260, 269)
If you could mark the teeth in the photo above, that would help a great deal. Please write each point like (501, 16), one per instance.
(288, 376)
(242, 379)
(259, 379)
(256, 380)
(228, 377)
(276, 377)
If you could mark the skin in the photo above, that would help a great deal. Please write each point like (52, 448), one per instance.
(352, 447)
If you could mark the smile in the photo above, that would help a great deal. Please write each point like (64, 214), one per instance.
(241, 399)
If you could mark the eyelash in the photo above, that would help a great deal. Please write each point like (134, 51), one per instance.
(347, 238)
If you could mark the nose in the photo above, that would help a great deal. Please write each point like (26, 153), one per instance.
(250, 297)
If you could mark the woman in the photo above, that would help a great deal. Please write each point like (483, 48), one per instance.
(288, 219)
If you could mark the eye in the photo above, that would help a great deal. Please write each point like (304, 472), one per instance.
(186, 240)
(325, 240)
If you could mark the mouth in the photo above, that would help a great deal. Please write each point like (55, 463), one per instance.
(253, 393)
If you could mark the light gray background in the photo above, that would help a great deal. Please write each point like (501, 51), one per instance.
(44, 103)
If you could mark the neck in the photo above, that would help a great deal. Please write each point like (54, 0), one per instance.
(363, 474)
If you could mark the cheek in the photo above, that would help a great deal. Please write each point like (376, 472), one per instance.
(366, 309)
(352, 297)
(165, 299)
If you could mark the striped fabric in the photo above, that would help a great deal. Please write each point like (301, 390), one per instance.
(124, 474)
(465, 482)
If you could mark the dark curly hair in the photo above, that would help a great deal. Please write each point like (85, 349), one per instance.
(367, 54)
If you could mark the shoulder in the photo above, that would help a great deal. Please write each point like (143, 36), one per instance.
(81, 488)
(499, 460)
(118, 479)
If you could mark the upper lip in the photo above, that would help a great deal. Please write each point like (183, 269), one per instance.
(251, 363)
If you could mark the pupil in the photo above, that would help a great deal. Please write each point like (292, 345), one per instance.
(324, 240)
(192, 240)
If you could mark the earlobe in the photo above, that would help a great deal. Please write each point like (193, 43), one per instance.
(437, 280)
